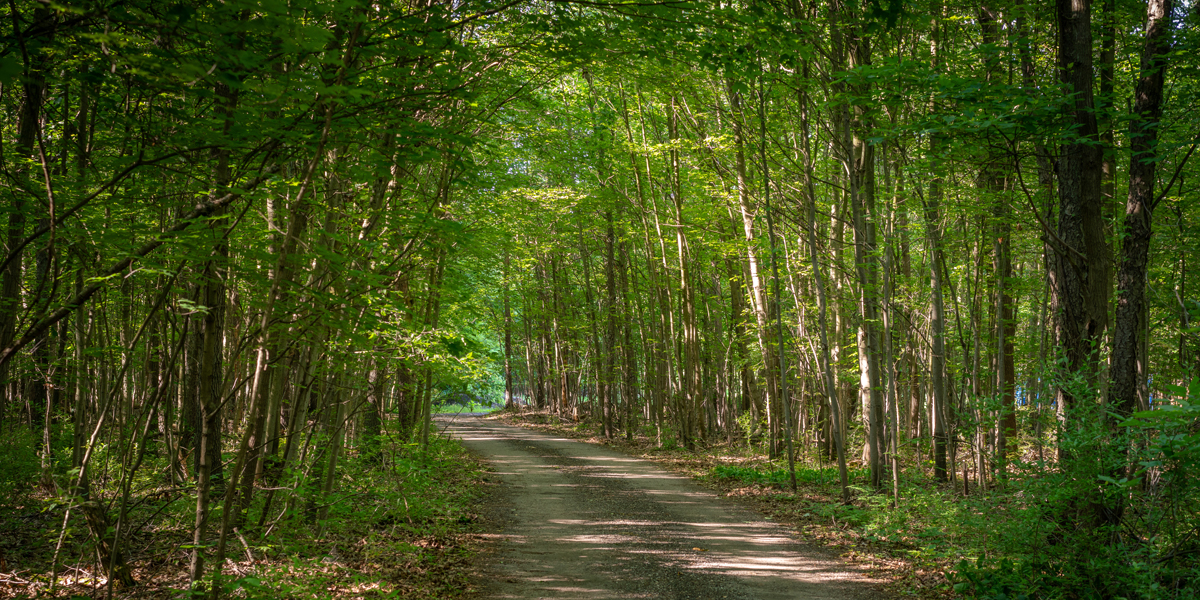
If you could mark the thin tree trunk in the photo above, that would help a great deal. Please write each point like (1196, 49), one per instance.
(828, 380)
(937, 325)
(28, 133)
(758, 300)
(783, 372)
(690, 391)
(508, 381)
(629, 392)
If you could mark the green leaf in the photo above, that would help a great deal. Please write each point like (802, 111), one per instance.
(10, 70)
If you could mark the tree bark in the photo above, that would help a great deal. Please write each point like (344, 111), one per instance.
(1080, 287)
(1128, 371)
(860, 169)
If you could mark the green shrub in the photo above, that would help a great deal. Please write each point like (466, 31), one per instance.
(1118, 520)
(19, 466)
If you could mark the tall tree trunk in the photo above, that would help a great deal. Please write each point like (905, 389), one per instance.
(609, 377)
(758, 295)
(887, 313)
(937, 355)
(1106, 117)
(508, 381)
(433, 305)
(690, 391)
(629, 352)
(28, 133)
(656, 379)
(1128, 370)
(597, 352)
(860, 168)
(209, 361)
(784, 399)
(1080, 287)
(828, 380)
(992, 179)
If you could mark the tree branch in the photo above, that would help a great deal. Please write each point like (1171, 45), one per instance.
(202, 209)
(1178, 170)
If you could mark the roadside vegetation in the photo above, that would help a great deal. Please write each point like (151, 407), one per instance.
(400, 525)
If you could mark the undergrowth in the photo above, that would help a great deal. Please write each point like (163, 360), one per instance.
(397, 526)
(782, 477)
(393, 531)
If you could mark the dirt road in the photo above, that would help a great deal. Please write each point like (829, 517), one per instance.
(582, 521)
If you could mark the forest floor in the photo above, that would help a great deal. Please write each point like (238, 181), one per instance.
(814, 517)
(405, 527)
(576, 520)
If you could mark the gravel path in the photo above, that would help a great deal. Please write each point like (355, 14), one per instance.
(582, 521)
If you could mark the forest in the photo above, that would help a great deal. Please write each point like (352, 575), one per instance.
(937, 247)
